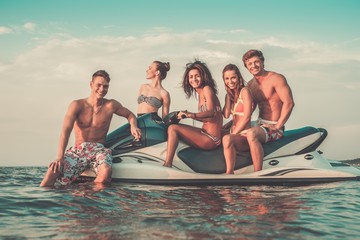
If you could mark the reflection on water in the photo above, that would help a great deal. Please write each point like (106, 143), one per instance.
(167, 212)
(131, 211)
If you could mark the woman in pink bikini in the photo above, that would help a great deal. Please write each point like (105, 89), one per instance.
(239, 104)
(199, 82)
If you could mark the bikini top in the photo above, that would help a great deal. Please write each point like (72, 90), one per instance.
(153, 101)
(203, 108)
(238, 108)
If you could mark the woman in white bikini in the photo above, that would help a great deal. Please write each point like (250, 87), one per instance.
(197, 81)
(152, 96)
(239, 104)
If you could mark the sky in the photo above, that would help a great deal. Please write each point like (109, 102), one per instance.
(50, 49)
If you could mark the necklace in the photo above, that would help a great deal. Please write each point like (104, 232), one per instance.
(99, 108)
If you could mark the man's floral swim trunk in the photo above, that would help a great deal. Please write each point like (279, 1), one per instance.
(84, 156)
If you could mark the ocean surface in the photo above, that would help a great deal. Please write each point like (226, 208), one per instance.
(135, 211)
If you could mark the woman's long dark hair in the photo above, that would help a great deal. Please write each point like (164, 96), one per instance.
(205, 74)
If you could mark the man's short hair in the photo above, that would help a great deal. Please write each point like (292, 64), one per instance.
(253, 53)
(101, 73)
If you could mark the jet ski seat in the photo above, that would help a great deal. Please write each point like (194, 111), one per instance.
(213, 161)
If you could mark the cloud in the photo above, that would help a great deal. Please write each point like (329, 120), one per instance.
(238, 31)
(58, 52)
(5, 30)
(303, 52)
(29, 26)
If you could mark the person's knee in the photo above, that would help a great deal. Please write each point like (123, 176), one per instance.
(226, 140)
(172, 129)
(251, 135)
(256, 135)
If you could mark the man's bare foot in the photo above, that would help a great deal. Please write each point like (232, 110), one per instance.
(169, 165)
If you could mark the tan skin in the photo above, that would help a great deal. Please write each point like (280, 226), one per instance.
(212, 121)
(273, 96)
(154, 89)
(90, 118)
(232, 142)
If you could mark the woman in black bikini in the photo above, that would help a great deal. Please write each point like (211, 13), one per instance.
(153, 96)
(239, 104)
(197, 81)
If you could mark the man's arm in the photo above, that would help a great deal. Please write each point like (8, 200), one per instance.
(67, 127)
(285, 94)
(124, 112)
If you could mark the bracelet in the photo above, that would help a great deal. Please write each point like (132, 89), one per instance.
(194, 116)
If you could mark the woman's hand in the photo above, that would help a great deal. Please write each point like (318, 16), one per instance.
(185, 114)
(182, 114)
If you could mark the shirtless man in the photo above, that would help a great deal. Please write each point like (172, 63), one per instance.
(90, 117)
(273, 96)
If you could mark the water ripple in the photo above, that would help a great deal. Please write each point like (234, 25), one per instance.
(132, 211)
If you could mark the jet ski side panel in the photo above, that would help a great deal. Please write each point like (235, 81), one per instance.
(213, 161)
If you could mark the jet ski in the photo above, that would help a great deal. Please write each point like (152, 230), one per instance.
(292, 160)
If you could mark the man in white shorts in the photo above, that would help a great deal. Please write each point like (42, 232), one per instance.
(272, 94)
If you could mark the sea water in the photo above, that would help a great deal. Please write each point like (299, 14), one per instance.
(136, 211)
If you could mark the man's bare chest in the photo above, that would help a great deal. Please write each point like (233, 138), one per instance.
(90, 119)
(262, 93)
